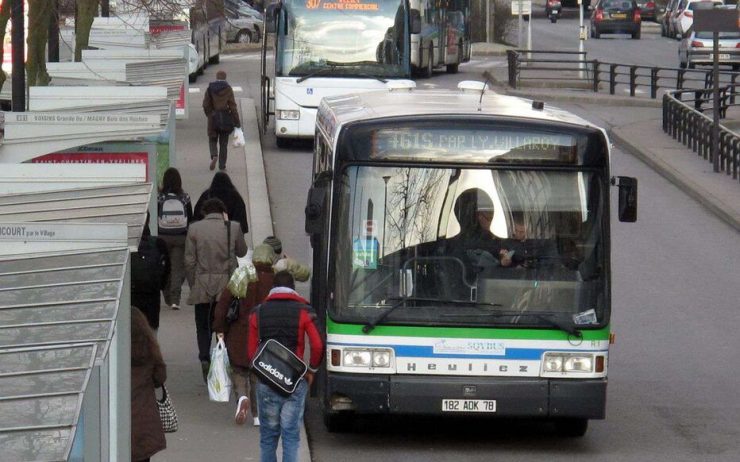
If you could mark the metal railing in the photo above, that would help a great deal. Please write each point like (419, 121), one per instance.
(686, 93)
(572, 66)
(685, 121)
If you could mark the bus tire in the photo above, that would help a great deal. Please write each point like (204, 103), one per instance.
(337, 422)
(452, 68)
(571, 427)
(426, 71)
(283, 143)
(214, 59)
(193, 77)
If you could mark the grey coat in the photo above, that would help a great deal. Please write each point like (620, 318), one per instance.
(207, 265)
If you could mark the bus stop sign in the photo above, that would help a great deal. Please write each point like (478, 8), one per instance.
(716, 20)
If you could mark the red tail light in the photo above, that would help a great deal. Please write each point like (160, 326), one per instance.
(650, 5)
(696, 44)
(599, 15)
(737, 45)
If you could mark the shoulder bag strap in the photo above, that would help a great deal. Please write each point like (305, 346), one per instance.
(228, 247)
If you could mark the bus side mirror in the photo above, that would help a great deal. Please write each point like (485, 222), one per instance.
(627, 198)
(271, 14)
(415, 21)
(315, 205)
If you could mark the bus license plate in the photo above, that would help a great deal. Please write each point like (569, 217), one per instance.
(469, 405)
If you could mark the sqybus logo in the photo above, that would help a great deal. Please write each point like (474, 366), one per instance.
(313, 4)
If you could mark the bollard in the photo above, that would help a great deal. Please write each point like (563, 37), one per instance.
(654, 83)
(612, 78)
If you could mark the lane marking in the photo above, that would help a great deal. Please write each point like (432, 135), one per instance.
(193, 90)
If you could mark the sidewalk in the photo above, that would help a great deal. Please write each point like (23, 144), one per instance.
(207, 429)
(635, 125)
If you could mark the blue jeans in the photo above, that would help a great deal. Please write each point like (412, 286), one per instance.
(280, 416)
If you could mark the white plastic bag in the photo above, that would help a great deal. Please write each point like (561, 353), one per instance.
(238, 137)
(219, 382)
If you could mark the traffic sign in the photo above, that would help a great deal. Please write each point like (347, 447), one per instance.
(526, 7)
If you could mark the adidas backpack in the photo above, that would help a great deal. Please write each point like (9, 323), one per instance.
(172, 217)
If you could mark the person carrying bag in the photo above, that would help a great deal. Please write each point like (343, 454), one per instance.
(276, 342)
(220, 108)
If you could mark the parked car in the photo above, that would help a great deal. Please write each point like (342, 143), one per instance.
(243, 24)
(683, 18)
(615, 17)
(697, 48)
(648, 9)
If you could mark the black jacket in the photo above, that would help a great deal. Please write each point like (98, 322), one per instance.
(234, 206)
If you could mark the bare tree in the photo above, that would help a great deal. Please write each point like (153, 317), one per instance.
(39, 16)
(411, 204)
(4, 18)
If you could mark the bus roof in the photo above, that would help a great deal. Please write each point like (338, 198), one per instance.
(337, 111)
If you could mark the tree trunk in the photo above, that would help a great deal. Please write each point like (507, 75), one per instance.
(86, 10)
(39, 15)
(4, 18)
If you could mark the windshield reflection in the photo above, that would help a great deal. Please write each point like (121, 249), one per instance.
(317, 37)
(469, 246)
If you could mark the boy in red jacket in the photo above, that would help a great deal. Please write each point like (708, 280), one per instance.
(288, 318)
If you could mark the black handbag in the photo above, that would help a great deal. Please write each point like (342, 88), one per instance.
(232, 314)
(278, 367)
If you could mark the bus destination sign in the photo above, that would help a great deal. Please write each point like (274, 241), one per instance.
(356, 5)
(456, 144)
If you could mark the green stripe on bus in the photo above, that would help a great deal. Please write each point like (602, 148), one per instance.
(463, 332)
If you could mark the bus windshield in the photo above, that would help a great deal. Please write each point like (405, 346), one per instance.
(474, 246)
(361, 38)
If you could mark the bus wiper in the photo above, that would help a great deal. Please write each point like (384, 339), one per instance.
(367, 328)
(316, 73)
(556, 322)
(559, 324)
(401, 300)
(333, 65)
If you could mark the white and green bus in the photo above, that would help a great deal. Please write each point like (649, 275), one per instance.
(461, 256)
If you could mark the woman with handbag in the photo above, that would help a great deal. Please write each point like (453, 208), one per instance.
(236, 331)
(148, 372)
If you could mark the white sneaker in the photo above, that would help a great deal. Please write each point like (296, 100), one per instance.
(175, 306)
(256, 421)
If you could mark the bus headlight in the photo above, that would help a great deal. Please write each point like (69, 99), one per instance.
(367, 358)
(288, 114)
(559, 364)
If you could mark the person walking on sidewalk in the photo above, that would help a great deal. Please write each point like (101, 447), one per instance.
(150, 269)
(211, 248)
(175, 213)
(288, 318)
(223, 116)
(222, 188)
(236, 333)
(148, 372)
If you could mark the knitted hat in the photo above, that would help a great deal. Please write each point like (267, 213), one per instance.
(276, 244)
(264, 253)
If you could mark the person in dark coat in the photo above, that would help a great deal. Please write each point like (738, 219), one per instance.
(149, 277)
(148, 372)
(222, 188)
(172, 184)
(219, 97)
(237, 332)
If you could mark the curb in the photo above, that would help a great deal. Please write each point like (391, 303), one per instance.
(697, 192)
(258, 200)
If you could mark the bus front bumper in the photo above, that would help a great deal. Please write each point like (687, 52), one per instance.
(424, 395)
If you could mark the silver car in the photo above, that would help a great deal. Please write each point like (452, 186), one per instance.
(697, 48)
(243, 25)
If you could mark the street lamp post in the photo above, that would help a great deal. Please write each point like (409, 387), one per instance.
(385, 207)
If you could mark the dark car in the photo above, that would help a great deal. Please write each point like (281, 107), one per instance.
(648, 9)
(615, 17)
